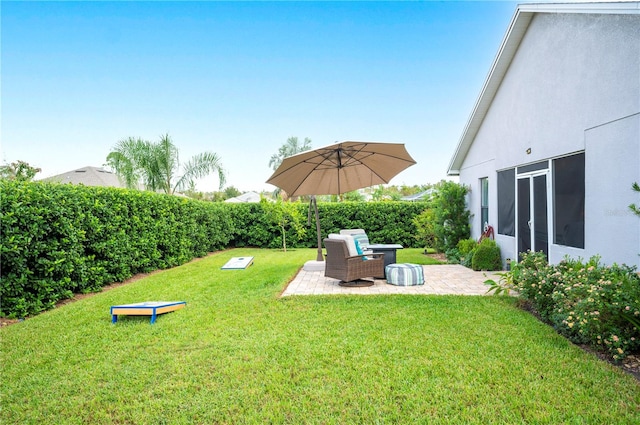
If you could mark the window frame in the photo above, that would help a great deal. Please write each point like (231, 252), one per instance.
(484, 203)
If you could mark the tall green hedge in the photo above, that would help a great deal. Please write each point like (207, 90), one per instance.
(63, 239)
(384, 222)
(59, 239)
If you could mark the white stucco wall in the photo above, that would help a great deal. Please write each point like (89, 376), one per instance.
(612, 164)
(573, 85)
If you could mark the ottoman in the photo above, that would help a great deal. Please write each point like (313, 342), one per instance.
(404, 274)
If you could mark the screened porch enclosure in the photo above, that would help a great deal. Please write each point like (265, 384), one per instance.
(543, 199)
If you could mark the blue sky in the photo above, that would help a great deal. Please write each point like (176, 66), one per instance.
(238, 79)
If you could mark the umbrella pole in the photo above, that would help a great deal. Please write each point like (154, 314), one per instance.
(315, 206)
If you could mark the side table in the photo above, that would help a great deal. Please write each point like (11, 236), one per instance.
(389, 251)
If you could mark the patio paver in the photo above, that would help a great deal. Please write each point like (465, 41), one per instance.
(448, 279)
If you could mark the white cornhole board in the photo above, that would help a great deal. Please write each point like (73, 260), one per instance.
(238, 263)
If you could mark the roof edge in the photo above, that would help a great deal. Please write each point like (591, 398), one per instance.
(583, 7)
(506, 52)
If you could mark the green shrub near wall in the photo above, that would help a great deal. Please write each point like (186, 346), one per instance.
(486, 256)
(63, 239)
(451, 216)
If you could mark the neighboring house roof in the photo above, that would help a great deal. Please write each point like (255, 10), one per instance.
(418, 196)
(516, 31)
(88, 176)
(245, 197)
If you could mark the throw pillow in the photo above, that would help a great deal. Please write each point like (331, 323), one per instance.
(359, 249)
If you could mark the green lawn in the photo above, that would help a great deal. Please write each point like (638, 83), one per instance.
(237, 353)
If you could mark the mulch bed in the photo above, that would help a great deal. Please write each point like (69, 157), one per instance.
(438, 256)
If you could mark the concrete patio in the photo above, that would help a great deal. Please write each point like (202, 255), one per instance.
(449, 279)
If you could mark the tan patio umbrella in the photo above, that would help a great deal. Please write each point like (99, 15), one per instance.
(340, 168)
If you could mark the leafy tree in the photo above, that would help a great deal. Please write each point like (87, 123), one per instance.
(284, 214)
(395, 193)
(19, 170)
(193, 193)
(395, 196)
(215, 196)
(231, 192)
(425, 233)
(353, 196)
(157, 165)
(378, 193)
(450, 214)
(291, 147)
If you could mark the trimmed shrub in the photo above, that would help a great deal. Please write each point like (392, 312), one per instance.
(486, 256)
(60, 239)
(467, 247)
(384, 222)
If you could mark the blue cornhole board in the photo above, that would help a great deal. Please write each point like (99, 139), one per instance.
(238, 263)
(148, 308)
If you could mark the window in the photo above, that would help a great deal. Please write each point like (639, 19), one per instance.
(542, 165)
(484, 203)
(507, 202)
(568, 197)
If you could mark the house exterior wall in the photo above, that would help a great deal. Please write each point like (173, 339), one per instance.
(573, 85)
(612, 230)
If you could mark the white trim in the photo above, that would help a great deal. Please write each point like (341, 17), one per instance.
(601, 7)
(530, 176)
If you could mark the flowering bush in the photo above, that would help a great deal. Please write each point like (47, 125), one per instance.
(535, 280)
(588, 302)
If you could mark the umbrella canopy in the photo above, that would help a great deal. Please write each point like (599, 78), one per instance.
(340, 168)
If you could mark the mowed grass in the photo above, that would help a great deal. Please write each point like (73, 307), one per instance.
(238, 353)
(415, 256)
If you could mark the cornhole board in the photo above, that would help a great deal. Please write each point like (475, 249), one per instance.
(148, 308)
(238, 263)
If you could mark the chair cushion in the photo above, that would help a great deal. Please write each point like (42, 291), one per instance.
(359, 235)
(351, 244)
(404, 274)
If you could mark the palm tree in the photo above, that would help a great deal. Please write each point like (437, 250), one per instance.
(157, 165)
(291, 147)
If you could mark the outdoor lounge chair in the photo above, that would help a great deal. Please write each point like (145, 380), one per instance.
(359, 235)
(349, 269)
(389, 250)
